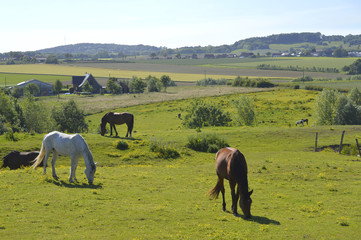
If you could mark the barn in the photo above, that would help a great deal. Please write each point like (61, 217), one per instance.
(46, 89)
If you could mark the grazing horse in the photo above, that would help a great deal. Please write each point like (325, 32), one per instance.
(299, 122)
(305, 120)
(15, 159)
(68, 145)
(231, 165)
(117, 118)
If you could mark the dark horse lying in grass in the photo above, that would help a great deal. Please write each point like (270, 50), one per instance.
(15, 159)
(117, 118)
(231, 165)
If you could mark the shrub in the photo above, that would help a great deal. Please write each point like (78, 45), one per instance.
(165, 151)
(206, 143)
(70, 118)
(113, 86)
(121, 145)
(202, 114)
(246, 111)
(154, 84)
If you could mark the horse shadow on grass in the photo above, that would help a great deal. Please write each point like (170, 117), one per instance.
(62, 183)
(259, 219)
(123, 138)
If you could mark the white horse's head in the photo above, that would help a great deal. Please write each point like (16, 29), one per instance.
(90, 171)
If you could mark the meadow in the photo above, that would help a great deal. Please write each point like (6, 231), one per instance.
(298, 192)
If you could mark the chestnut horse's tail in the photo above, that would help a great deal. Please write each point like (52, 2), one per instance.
(40, 157)
(214, 192)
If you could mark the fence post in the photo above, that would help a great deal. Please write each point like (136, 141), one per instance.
(316, 141)
(340, 148)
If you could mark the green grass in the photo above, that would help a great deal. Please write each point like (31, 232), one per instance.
(15, 78)
(298, 193)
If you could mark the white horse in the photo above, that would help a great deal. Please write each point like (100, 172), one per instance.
(300, 122)
(69, 145)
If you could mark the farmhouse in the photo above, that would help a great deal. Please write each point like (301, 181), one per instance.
(79, 81)
(46, 89)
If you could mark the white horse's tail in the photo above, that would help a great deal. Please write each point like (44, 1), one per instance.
(40, 157)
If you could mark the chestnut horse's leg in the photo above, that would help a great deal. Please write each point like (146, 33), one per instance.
(222, 191)
(115, 130)
(232, 184)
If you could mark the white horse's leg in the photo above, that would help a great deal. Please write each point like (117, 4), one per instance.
(74, 164)
(45, 160)
(53, 160)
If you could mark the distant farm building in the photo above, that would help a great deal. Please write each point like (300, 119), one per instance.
(46, 89)
(79, 81)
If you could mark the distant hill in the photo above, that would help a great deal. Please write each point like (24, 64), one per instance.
(95, 48)
(249, 44)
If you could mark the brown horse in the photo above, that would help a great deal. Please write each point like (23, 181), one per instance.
(15, 159)
(117, 118)
(231, 165)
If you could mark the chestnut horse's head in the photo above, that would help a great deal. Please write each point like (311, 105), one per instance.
(102, 128)
(245, 203)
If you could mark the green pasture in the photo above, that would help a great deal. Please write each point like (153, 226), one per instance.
(100, 71)
(12, 79)
(298, 193)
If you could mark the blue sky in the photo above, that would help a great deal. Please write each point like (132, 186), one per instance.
(37, 24)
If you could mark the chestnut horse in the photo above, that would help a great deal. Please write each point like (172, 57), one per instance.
(117, 118)
(231, 165)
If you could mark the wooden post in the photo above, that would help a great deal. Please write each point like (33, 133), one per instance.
(340, 148)
(358, 148)
(316, 142)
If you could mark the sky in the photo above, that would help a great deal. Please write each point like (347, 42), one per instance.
(33, 25)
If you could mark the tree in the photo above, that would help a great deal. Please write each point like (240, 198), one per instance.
(32, 88)
(51, 59)
(154, 84)
(70, 118)
(245, 110)
(137, 85)
(355, 67)
(113, 86)
(35, 116)
(340, 52)
(58, 85)
(165, 79)
(326, 107)
(347, 113)
(201, 113)
(355, 96)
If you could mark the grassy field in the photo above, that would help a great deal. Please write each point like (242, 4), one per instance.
(186, 70)
(298, 193)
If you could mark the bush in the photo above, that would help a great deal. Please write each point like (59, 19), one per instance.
(113, 86)
(246, 111)
(206, 143)
(165, 151)
(70, 118)
(202, 114)
(137, 85)
(154, 84)
(121, 145)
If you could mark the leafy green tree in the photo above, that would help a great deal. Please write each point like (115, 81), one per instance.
(165, 79)
(246, 114)
(326, 107)
(355, 67)
(51, 59)
(32, 88)
(113, 86)
(340, 52)
(201, 113)
(7, 110)
(58, 85)
(137, 85)
(36, 117)
(70, 118)
(355, 96)
(154, 84)
(347, 113)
